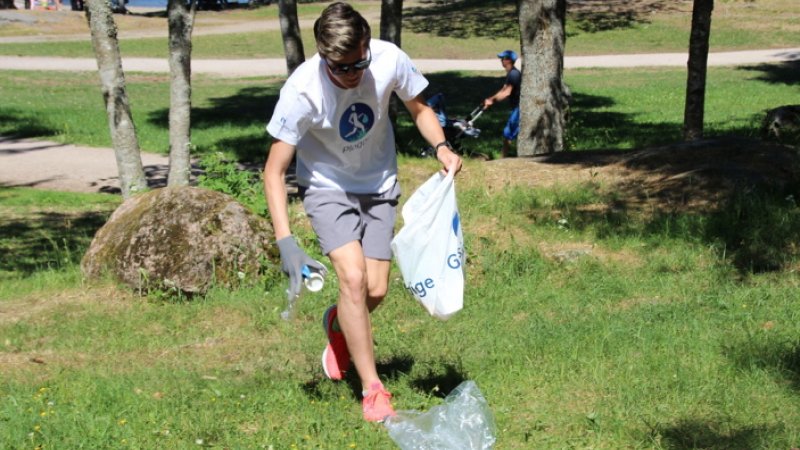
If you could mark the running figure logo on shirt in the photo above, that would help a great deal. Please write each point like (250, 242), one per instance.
(356, 122)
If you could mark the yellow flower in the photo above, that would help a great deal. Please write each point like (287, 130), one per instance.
(122, 421)
(352, 445)
(43, 414)
(37, 427)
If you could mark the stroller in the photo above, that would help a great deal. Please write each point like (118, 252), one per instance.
(454, 129)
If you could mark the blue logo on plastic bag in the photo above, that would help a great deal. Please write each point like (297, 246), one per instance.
(456, 223)
(356, 122)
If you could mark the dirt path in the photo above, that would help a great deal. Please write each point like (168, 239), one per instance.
(65, 167)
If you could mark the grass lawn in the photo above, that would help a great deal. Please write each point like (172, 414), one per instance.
(464, 29)
(588, 323)
(654, 338)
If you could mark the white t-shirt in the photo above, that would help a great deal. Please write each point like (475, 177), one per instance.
(343, 137)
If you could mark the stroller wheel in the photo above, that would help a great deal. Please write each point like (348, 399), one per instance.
(427, 152)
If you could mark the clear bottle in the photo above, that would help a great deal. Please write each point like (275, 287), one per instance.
(313, 281)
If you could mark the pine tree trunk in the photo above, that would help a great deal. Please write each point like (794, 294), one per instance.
(542, 93)
(697, 65)
(112, 79)
(391, 20)
(290, 30)
(180, 20)
(391, 28)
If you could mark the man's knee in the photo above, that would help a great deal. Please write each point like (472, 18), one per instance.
(353, 281)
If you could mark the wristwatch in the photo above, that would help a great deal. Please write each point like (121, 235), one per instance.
(444, 143)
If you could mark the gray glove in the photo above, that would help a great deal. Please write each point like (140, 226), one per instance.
(293, 258)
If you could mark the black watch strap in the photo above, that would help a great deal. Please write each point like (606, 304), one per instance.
(443, 143)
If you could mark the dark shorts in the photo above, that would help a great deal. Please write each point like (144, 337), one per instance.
(340, 217)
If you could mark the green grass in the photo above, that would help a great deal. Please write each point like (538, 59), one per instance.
(477, 29)
(612, 108)
(691, 352)
(668, 330)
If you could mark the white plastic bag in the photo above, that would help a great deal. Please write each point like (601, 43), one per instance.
(430, 247)
(462, 422)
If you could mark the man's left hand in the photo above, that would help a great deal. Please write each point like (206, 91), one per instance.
(449, 159)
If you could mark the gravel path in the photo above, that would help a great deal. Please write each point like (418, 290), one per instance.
(277, 66)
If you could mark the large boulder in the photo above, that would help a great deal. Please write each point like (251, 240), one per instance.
(181, 238)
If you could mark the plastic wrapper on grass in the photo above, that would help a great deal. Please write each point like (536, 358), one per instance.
(462, 422)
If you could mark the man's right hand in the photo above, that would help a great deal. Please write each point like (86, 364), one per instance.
(487, 103)
(293, 258)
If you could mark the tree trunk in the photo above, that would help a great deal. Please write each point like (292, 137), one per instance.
(290, 30)
(543, 100)
(391, 20)
(7, 4)
(697, 65)
(180, 16)
(391, 27)
(112, 79)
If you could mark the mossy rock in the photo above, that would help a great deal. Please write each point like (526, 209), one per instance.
(182, 238)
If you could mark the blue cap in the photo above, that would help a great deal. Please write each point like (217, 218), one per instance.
(510, 54)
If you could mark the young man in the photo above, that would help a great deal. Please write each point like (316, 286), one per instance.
(333, 113)
(510, 91)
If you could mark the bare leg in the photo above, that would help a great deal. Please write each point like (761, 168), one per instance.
(506, 147)
(362, 286)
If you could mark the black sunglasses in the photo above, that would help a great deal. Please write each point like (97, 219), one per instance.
(341, 69)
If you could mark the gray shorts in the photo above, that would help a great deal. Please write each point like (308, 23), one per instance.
(340, 217)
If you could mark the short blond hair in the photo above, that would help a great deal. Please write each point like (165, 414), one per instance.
(340, 30)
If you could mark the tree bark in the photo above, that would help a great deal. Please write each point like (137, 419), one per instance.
(391, 20)
(697, 65)
(543, 99)
(112, 79)
(290, 30)
(391, 28)
(180, 16)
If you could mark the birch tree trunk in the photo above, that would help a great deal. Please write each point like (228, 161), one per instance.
(543, 100)
(180, 16)
(112, 79)
(697, 66)
(290, 30)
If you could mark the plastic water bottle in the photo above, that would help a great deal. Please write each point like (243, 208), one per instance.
(313, 281)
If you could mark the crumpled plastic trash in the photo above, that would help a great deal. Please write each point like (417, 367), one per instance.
(462, 422)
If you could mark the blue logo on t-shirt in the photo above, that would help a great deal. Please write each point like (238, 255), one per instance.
(356, 122)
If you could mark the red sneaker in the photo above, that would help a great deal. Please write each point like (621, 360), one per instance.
(335, 357)
(376, 404)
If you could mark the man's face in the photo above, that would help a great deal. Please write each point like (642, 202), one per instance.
(348, 71)
(506, 62)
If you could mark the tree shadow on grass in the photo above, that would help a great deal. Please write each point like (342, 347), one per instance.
(249, 107)
(787, 73)
(696, 433)
(591, 126)
(736, 194)
(464, 18)
(780, 358)
(46, 240)
(592, 16)
(499, 18)
(19, 124)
